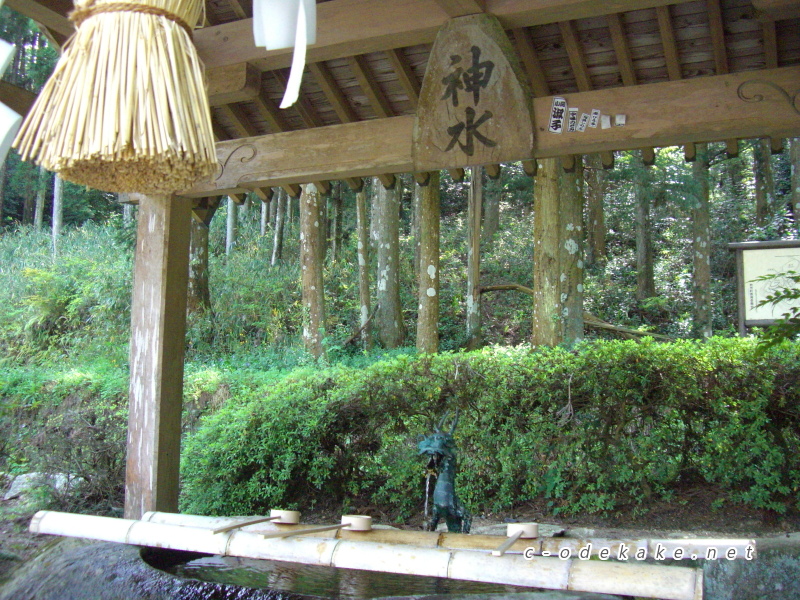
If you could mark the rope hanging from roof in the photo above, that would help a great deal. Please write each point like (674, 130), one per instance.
(126, 108)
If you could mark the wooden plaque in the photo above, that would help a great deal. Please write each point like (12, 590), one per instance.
(475, 106)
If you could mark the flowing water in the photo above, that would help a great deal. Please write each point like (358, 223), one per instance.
(314, 580)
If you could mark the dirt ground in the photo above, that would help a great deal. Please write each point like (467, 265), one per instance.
(688, 514)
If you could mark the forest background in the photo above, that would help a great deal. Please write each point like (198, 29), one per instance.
(593, 426)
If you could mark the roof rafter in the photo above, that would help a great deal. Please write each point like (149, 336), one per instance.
(526, 51)
(621, 49)
(575, 53)
(333, 93)
(406, 75)
(366, 80)
(668, 41)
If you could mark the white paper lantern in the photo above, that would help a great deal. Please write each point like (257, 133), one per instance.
(281, 24)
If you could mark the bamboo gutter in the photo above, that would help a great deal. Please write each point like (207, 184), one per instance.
(373, 551)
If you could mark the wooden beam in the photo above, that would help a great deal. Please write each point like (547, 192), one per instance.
(349, 27)
(493, 171)
(16, 98)
(575, 53)
(235, 83)
(621, 49)
(52, 15)
(270, 112)
(377, 100)
(405, 75)
(323, 187)
(668, 42)
(236, 7)
(265, 194)
(388, 180)
(238, 198)
(607, 159)
(304, 108)
(240, 121)
(203, 209)
(690, 152)
(423, 178)
(460, 8)
(775, 145)
(527, 53)
(717, 36)
(385, 145)
(568, 163)
(732, 148)
(776, 10)
(648, 156)
(530, 167)
(292, 189)
(220, 134)
(158, 332)
(770, 45)
(333, 93)
(355, 183)
(457, 174)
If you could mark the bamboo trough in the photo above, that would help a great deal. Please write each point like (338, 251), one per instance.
(452, 556)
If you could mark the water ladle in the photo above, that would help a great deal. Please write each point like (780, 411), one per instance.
(284, 517)
(515, 531)
(350, 522)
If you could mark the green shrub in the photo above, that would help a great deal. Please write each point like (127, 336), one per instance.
(607, 425)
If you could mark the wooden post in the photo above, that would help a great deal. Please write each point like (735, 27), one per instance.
(701, 246)
(571, 252)
(546, 285)
(429, 217)
(474, 259)
(389, 315)
(230, 230)
(795, 181)
(158, 330)
(363, 266)
(311, 264)
(58, 210)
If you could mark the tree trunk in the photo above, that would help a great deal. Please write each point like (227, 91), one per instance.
(547, 307)
(389, 316)
(596, 228)
(230, 232)
(415, 227)
(701, 246)
(571, 253)
(363, 267)
(429, 217)
(645, 280)
(127, 213)
(265, 207)
(374, 210)
(473, 296)
(29, 204)
(491, 216)
(795, 182)
(41, 192)
(280, 202)
(311, 263)
(765, 184)
(198, 299)
(336, 221)
(2, 192)
(58, 210)
(324, 229)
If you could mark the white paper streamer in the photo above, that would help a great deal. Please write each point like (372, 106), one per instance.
(9, 120)
(279, 24)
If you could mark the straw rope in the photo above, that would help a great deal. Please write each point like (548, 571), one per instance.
(125, 109)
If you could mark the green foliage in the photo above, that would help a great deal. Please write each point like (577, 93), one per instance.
(788, 326)
(608, 425)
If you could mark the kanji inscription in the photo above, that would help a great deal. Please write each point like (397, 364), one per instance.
(475, 106)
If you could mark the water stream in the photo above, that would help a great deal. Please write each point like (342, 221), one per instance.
(328, 582)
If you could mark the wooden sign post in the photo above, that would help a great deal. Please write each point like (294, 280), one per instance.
(476, 105)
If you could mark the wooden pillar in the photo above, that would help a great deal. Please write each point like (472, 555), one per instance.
(362, 226)
(389, 315)
(429, 217)
(701, 246)
(571, 253)
(546, 285)
(474, 259)
(158, 330)
(311, 264)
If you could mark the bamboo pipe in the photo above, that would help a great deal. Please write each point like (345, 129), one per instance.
(644, 580)
(546, 546)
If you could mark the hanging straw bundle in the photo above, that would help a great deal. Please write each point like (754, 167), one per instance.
(125, 109)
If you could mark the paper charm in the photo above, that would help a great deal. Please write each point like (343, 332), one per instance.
(9, 120)
(281, 24)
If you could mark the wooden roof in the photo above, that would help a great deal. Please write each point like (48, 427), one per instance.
(678, 40)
